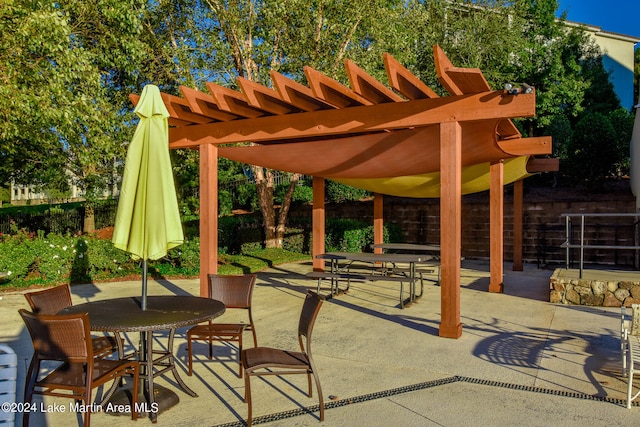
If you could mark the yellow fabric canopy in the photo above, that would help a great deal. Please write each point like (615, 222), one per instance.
(474, 180)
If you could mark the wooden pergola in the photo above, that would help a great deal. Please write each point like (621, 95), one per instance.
(366, 132)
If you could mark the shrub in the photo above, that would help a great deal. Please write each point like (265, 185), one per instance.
(247, 197)
(225, 203)
(593, 152)
(349, 235)
(239, 233)
(337, 192)
(301, 194)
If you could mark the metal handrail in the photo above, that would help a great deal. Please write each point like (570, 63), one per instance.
(567, 244)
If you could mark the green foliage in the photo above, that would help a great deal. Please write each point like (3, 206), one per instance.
(5, 195)
(225, 202)
(622, 122)
(181, 261)
(247, 197)
(67, 69)
(33, 258)
(186, 172)
(301, 194)
(337, 192)
(593, 150)
(349, 235)
(55, 259)
(560, 130)
(239, 233)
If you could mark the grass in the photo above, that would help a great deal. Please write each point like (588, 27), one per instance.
(257, 261)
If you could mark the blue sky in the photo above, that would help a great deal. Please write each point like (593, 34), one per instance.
(617, 16)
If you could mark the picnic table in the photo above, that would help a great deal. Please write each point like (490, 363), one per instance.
(379, 270)
(432, 265)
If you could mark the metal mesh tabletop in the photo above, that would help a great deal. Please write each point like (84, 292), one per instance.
(163, 312)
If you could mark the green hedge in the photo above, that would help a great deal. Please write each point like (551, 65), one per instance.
(244, 233)
(36, 258)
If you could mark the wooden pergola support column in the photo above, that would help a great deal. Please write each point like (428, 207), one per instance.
(378, 221)
(496, 226)
(208, 214)
(518, 214)
(318, 223)
(450, 227)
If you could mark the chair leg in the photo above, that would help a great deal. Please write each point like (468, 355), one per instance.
(309, 385)
(630, 384)
(87, 413)
(134, 392)
(189, 355)
(320, 399)
(119, 345)
(247, 397)
(32, 373)
(255, 339)
(240, 355)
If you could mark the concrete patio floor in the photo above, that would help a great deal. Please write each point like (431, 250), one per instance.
(520, 360)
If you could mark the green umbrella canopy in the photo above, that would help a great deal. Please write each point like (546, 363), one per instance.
(148, 220)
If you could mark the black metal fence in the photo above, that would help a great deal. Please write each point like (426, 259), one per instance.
(57, 220)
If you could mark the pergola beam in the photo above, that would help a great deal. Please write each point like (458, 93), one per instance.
(361, 119)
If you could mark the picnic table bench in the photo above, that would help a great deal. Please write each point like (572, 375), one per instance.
(338, 273)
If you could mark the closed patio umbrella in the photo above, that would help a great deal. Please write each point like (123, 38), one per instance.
(148, 220)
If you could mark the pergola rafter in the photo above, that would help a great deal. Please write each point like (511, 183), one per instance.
(361, 132)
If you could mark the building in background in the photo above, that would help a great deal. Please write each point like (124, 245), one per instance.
(618, 59)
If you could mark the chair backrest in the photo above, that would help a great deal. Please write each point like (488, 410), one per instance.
(49, 301)
(235, 291)
(310, 309)
(65, 337)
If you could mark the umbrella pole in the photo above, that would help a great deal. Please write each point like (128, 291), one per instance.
(144, 284)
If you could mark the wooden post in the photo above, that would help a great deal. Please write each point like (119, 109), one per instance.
(450, 227)
(378, 221)
(318, 223)
(518, 215)
(208, 215)
(496, 225)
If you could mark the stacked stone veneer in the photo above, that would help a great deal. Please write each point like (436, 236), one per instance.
(593, 292)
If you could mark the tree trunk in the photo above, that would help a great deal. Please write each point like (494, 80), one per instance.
(264, 186)
(284, 209)
(89, 221)
(274, 226)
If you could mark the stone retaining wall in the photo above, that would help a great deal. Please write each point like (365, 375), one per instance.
(593, 292)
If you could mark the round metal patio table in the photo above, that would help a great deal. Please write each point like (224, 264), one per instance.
(163, 313)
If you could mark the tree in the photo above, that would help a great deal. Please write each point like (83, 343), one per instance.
(67, 69)
(248, 38)
(593, 151)
(523, 41)
(622, 122)
(477, 34)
